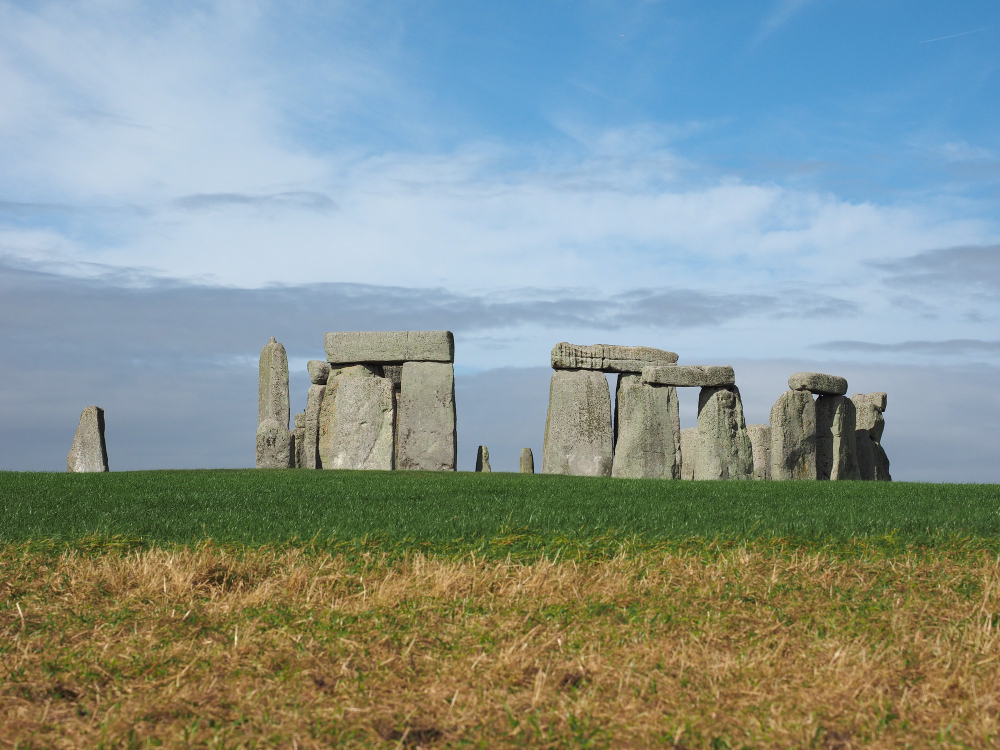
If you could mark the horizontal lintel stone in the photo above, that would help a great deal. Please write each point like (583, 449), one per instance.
(817, 382)
(609, 358)
(389, 347)
(705, 376)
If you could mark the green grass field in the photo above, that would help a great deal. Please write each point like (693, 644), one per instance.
(462, 510)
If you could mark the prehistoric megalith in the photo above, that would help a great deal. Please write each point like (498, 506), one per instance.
(483, 459)
(723, 447)
(836, 442)
(360, 434)
(310, 446)
(425, 426)
(689, 452)
(89, 452)
(608, 358)
(760, 442)
(298, 435)
(873, 463)
(527, 461)
(647, 430)
(274, 441)
(793, 436)
(578, 439)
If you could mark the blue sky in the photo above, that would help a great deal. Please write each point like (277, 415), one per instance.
(796, 184)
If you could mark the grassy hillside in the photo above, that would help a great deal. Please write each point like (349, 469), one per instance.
(464, 509)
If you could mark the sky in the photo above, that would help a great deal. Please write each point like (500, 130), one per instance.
(780, 185)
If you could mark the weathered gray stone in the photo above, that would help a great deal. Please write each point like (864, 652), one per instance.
(723, 447)
(865, 447)
(361, 433)
(647, 430)
(298, 441)
(310, 446)
(878, 399)
(578, 439)
(689, 375)
(483, 459)
(319, 371)
(760, 442)
(328, 408)
(395, 375)
(272, 392)
(868, 417)
(881, 464)
(299, 420)
(275, 448)
(608, 358)
(689, 452)
(836, 443)
(425, 427)
(89, 451)
(817, 382)
(793, 436)
(527, 461)
(389, 347)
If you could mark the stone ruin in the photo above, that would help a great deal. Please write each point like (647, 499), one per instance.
(381, 400)
(89, 452)
(386, 400)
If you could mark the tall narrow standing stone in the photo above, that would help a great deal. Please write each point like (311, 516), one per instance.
(328, 409)
(723, 446)
(310, 446)
(793, 436)
(689, 455)
(836, 442)
(527, 461)
(483, 459)
(299, 433)
(873, 463)
(361, 434)
(425, 427)
(578, 439)
(89, 452)
(647, 430)
(274, 441)
(760, 442)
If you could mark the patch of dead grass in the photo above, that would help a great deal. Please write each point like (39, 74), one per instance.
(753, 647)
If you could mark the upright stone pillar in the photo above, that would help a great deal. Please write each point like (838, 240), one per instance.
(793, 436)
(578, 439)
(483, 459)
(647, 430)
(425, 427)
(723, 446)
(310, 446)
(760, 442)
(836, 442)
(527, 461)
(89, 452)
(689, 452)
(274, 441)
(873, 463)
(299, 435)
(360, 436)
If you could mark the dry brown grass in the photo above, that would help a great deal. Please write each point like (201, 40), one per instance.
(752, 647)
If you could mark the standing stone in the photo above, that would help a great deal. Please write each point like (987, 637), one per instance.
(689, 456)
(881, 463)
(527, 461)
(578, 439)
(836, 442)
(793, 436)
(361, 434)
(873, 463)
(89, 452)
(760, 442)
(483, 459)
(272, 393)
(328, 409)
(319, 371)
(275, 446)
(310, 447)
(425, 427)
(299, 434)
(647, 430)
(723, 446)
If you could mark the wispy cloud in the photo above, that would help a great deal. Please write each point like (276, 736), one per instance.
(950, 347)
(970, 267)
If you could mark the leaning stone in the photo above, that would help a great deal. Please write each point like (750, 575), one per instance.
(793, 436)
(836, 444)
(272, 392)
(274, 445)
(319, 371)
(689, 376)
(608, 358)
(647, 430)
(310, 445)
(760, 443)
(578, 439)
(89, 451)
(723, 447)
(425, 427)
(361, 433)
(390, 347)
(878, 399)
(527, 461)
(483, 459)
(868, 417)
(689, 447)
(817, 382)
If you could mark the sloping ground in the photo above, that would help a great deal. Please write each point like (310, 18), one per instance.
(759, 644)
